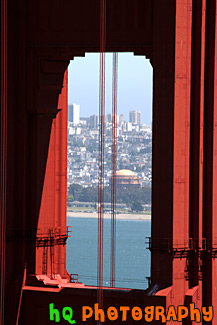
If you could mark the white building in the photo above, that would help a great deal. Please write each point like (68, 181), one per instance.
(108, 118)
(129, 127)
(74, 130)
(74, 113)
(121, 119)
(135, 117)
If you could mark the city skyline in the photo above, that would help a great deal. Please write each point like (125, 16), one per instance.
(134, 84)
(134, 117)
(134, 151)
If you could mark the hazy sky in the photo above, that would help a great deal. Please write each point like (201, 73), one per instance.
(134, 85)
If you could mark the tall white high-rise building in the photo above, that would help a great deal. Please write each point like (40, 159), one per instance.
(74, 113)
(135, 117)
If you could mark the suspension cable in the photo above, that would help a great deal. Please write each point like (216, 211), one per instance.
(101, 153)
(113, 174)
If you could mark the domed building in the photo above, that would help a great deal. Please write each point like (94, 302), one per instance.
(127, 178)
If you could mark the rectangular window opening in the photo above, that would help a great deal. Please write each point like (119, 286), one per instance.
(133, 169)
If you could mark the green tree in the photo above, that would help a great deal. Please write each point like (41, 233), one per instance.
(70, 199)
(75, 190)
(136, 206)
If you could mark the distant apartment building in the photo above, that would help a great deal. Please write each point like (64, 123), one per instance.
(108, 118)
(74, 113)
(135, 117)
(129, 127)
(74, 130)
(85, 121)
(121, 118)
(93, 121)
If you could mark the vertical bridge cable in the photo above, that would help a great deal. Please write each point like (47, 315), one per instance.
(3, 152)
(101, 153)
(113, 178)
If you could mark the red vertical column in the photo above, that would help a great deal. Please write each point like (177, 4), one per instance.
(193, 267)
(209, 172)
(162, 151)
(214, 186)
(182, 230)
(195, 143)
(52, 214)
(61, 174)
(182, 85)
(171, 122)
(203, 23)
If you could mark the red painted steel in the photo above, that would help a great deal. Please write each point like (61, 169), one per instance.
(179, 37)
(208, 285)
(51, 258)
(182, 88)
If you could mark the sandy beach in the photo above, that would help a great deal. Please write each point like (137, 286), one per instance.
(124, 216)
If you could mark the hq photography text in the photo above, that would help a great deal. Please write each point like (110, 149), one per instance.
(126, 313)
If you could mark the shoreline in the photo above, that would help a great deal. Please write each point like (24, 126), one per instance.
(124, 216)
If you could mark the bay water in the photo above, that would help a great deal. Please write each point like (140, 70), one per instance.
(132, 255)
